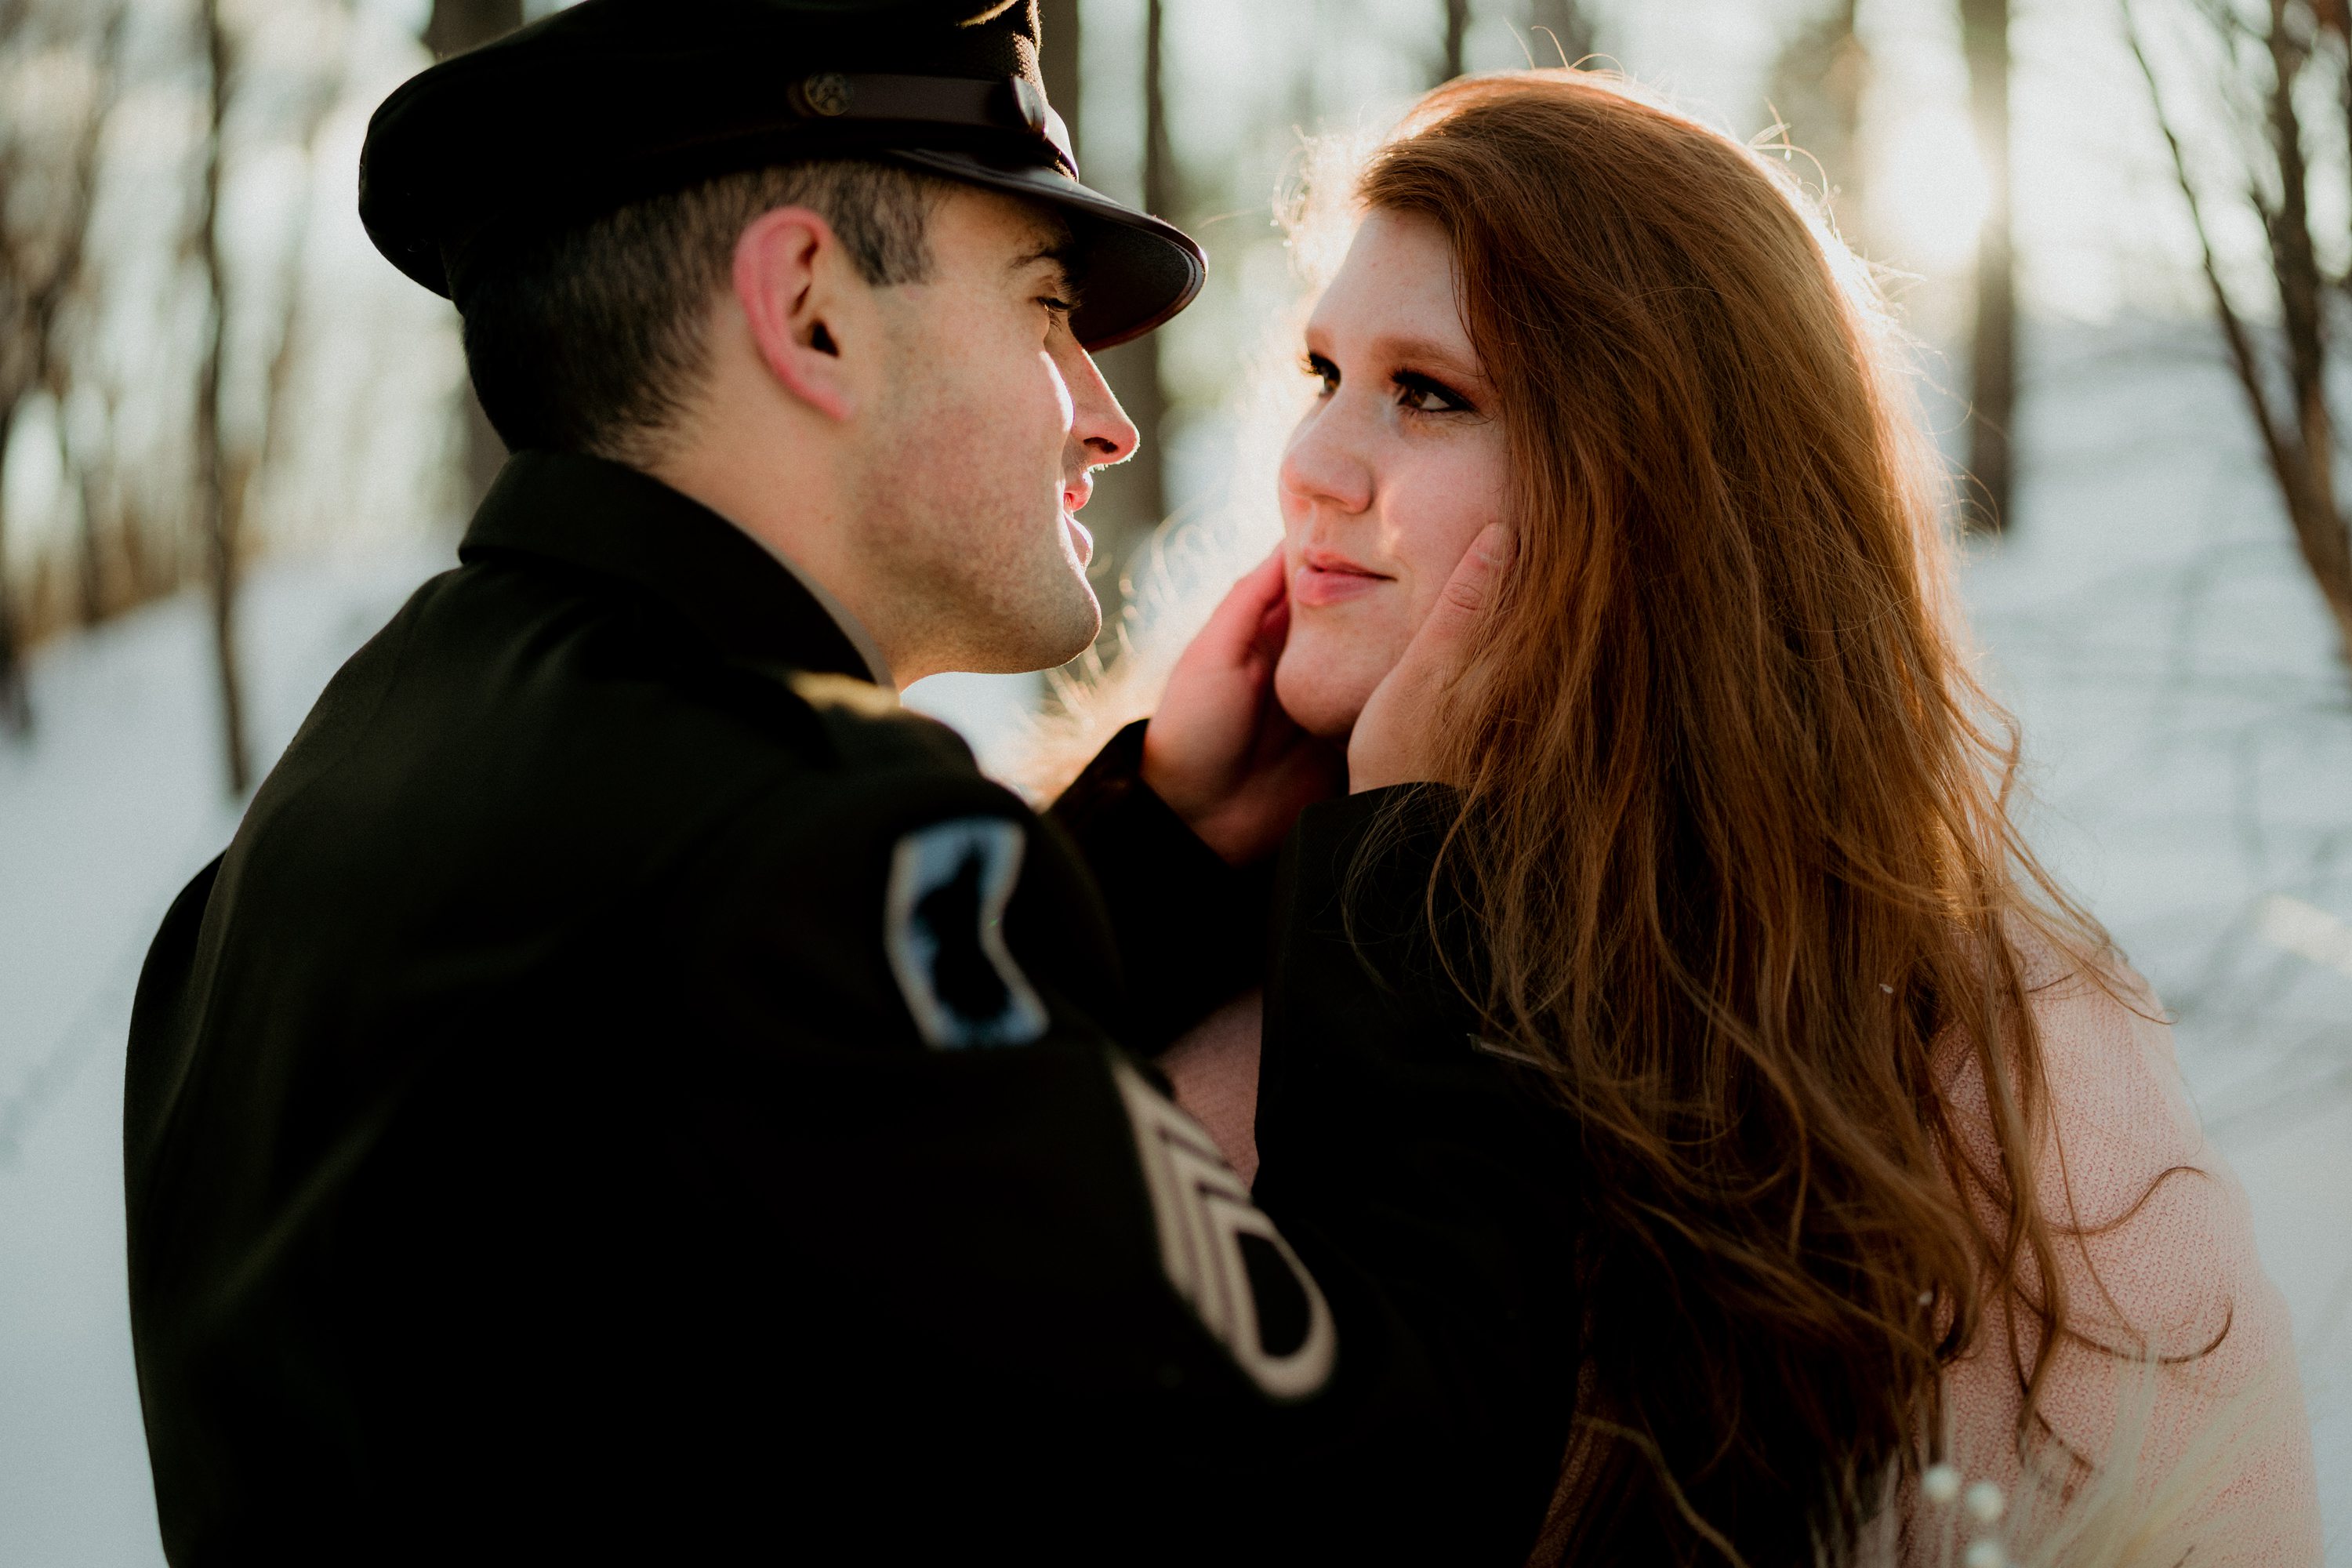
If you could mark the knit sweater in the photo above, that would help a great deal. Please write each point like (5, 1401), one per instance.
(2191, 1440)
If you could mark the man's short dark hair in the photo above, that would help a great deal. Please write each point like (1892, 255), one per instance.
(590, 339)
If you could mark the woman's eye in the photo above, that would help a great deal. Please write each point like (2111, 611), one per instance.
(1421, 395)
(1322, 370)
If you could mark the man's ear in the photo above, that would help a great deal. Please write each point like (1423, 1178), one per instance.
(790, 276)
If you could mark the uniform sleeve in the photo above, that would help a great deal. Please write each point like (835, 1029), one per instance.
(1191, 929)
(1002, 1232)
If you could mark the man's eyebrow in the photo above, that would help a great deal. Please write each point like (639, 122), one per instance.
(1061, 249)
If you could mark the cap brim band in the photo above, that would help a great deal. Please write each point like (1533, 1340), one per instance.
(1137, 270)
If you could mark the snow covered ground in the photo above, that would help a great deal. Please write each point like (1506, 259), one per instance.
(2192, 747)
(2190, 737)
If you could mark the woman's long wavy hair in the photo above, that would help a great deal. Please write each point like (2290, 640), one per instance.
(1735, 823)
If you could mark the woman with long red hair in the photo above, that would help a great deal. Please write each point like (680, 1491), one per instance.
(1884, 1168)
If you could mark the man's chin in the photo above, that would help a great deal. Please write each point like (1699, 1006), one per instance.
(1047, 639)
(1084, 626)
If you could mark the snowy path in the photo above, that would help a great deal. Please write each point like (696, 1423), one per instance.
(2192, 748)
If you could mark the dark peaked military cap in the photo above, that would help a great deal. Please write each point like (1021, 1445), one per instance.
(614, 100)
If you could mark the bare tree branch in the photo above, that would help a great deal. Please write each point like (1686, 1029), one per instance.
(213, 466)
(2295, 262)
(2300, 453)
(41, 270)
(2243, 357)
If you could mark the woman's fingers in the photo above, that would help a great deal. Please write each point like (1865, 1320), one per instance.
(1476, 579)
(1239, 626)
(1442, 646)
(1393, 738)
(1205, 741)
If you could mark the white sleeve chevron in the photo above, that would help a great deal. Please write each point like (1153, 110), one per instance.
(1203, 1212)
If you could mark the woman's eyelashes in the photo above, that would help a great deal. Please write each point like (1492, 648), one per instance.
(1426, 394)
(1414, 392)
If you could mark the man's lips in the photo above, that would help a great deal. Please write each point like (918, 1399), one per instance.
(1082, 536)
(1325, 579)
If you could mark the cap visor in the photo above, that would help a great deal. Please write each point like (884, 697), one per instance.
(1139, 271)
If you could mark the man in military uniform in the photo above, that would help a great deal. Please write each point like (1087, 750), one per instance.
(629, 1091)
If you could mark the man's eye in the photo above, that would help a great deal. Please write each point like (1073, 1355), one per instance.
(1059, 306)
(1421, 395)
(1322, 370)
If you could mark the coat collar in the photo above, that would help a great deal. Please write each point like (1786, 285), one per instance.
(617, 521)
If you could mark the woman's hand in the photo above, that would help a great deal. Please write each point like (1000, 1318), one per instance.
(1394, 739)
(1221, 751)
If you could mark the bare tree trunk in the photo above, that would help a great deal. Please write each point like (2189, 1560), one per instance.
(1816, 88)
(1558, 28)
(94, 596)
(1992, 367)
(15, 711)
(1457, 27)
(41, 270)
(1138, 488)
(54, 357)
(454, 26)
(1162, 193)
(212, 456)
(2295, 262)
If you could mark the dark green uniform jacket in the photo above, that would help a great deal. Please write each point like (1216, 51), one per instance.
(631, 1092)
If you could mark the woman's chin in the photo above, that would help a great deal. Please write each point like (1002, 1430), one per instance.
(1317, 703)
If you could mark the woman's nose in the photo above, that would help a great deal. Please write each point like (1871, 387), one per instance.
(1324, 465)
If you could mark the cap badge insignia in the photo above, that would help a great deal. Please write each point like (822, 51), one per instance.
(827, 93)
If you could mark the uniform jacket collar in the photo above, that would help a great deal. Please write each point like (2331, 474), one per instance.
(614, 520)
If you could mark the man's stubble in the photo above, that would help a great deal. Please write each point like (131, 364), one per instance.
(976, 566)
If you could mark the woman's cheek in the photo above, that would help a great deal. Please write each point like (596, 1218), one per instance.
(1457, 506)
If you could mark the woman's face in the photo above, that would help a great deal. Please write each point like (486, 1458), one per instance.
(1393, 471)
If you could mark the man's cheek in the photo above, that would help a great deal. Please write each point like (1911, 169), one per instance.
(1066, 408)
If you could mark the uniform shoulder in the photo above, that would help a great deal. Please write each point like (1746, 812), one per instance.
(863, 724)
(518, 719)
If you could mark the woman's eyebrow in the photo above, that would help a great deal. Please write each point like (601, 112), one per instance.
(1452, 358)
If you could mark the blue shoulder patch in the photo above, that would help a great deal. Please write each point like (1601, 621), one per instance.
(944, 933)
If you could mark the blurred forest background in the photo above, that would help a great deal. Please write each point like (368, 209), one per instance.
(232, 438)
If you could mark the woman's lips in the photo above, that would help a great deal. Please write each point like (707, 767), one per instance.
(1328, 580)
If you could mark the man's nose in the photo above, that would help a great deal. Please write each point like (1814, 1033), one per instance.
(1099, 427)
